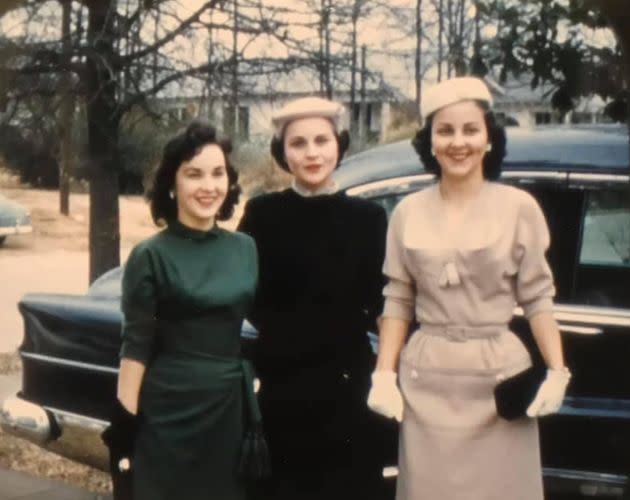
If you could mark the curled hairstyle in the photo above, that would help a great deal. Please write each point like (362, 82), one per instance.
(182, 148)
(492, 160)
(277, 148)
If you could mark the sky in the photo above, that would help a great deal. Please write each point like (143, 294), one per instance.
(390, 48)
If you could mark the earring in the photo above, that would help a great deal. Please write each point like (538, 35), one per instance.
(432, 152)
(171, 194)
(489, 148)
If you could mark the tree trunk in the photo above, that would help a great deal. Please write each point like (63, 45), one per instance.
(440, 37)
(234, 97)
(66, 112)
(363, 125)
(103, 123)
(327, 48)
(353, 68)
(418, 58)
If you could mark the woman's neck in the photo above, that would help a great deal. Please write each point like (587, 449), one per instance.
(197, 224)
(460, 190)
(329, 187)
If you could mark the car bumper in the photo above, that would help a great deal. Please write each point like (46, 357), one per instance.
(73, 436)
(564, 483)
(11, 230)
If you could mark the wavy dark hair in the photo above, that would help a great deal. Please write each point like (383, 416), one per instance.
(491, 161)
(182, 148)
(277, 148)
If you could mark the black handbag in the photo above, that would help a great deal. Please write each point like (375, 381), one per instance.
(255, 462)
(513, 395)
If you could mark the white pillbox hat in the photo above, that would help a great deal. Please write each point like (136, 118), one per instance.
(454, 90)
(307, 107)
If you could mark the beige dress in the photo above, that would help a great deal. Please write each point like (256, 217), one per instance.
(462, 289)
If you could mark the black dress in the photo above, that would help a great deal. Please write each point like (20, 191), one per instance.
(320, 291)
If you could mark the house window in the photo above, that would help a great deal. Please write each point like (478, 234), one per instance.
(543, 118)
(238, 123)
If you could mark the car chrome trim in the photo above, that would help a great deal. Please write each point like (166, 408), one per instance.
(578, 475)
(578, 176)
(598, 316)
(73, 436)
(533, 174)
(67, 362)
(398, 182)
(64, 418)
(595, 407)
(7, 231)
(25, 420)
(581, 330)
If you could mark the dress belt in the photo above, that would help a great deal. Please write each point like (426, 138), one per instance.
(462, 333)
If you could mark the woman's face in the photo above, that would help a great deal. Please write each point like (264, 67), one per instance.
(201, 185)
(311, 151)
(459, 139)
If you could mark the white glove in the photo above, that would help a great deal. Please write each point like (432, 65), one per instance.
(384, 397)
(550, 393)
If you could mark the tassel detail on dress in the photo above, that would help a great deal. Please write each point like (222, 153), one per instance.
(255, 462)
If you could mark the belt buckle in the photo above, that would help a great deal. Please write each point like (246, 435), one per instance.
(456, 333)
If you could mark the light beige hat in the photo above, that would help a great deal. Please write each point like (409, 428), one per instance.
(304, 108)
(454, 90)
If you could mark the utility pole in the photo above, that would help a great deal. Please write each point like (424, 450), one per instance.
(66, 112)
(363, 105)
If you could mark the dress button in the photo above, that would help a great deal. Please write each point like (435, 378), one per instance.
(346, 375)
(414, 374)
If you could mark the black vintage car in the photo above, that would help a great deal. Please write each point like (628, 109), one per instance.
(581, 178)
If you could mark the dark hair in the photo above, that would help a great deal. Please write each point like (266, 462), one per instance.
(491, 161)
(181, 148)
(277, 148)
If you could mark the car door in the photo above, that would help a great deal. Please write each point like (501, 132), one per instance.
(585, 447)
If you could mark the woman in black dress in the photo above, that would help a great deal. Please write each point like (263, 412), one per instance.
(320, 283)
(186, 291)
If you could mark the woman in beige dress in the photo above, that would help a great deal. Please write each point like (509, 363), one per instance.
(460, 255)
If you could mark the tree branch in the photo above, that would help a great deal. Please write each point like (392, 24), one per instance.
(171, 35)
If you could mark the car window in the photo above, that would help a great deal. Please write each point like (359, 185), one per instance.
(606, 232)
(603, 270)
(388, 202)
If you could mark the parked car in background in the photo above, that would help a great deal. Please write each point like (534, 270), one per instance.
(14, 219)
(581, 178)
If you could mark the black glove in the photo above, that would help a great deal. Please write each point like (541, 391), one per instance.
(120, 436)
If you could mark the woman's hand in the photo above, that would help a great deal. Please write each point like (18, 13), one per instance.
(384, 397)
(550, 393)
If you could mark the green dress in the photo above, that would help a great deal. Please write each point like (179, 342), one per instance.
(185, 294)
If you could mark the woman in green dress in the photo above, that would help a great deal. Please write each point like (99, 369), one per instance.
(186, 291)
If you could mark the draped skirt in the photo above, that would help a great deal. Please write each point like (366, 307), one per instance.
(192, 430)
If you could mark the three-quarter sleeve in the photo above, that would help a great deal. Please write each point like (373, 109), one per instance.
(534, 280)
(399, 292)
(138, 306)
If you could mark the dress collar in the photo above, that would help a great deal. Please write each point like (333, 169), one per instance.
(330, 189)
(179, 229)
